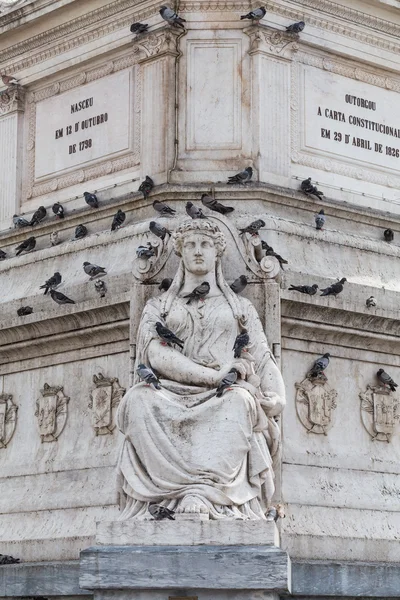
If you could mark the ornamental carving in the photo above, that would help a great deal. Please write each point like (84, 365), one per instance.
(380, 412)
(271, 41)
(104, 400)
(315, 403)
(8, 419)
(159, 43)
(51, 412)
(12, 99)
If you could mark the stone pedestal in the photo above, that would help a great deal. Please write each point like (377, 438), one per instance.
(206, 560)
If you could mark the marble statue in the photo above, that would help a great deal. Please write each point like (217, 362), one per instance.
(184, 447)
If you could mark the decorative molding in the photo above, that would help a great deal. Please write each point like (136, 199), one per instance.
(12, 99)
(8, 419)
(315, 403)
(158, 43)
(380, 410)
(267, 40)
(143, 269)
(51, 412)
(104, 400)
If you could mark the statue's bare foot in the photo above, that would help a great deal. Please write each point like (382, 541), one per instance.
(192, 504)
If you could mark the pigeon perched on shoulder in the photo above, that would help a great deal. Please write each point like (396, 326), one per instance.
(334, 289)
(163, 209)
(3, 255)
(8, 80)
(91, 199)
(388, 234)
(26, 246)
(239, 284)
(194, 211)
(242, 177)
(320, 219)
(199, 292)
(165, 284)
(24, 311)
(100, 287)
(58, 210)
(320, 365)
(52, 283)
(275, 512)
(20, 222)
(139, 28)
(242, 340)
(118, 219)
(253, 228)
(171, 17)
(146, 186)
(309, 189)
(60, 298)
(38, 215)
(386, 380)
(212, 204)
(371, 302)
(168, 337)
(158, 230)
(93, 270)
(159, 512)
(145, 252)
(148, 376)
(311, 290)
(255, 15)
(227, 381)
(8, 560)
(269, 251)
(80, 232)
(296, 27)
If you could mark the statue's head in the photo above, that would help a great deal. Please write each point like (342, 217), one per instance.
(199, 242)
(195, 227)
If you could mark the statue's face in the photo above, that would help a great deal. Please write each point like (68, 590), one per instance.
(198, 253)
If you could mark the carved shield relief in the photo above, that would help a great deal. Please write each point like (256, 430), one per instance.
(8, 419)
(104, 400)
(315, 401)
(380, 410)
(51, 412)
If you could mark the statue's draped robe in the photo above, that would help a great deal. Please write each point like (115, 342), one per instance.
(184, 440)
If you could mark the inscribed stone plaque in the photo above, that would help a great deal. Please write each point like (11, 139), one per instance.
(353, 120)
(84, 125)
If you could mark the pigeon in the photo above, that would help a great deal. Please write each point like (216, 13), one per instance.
(80, 232)
(242, 177)
(168, 336)
(8, 80)
(371, 302)
(388, 235)
(334, 289)
(269, 251)
(242, 340)
(8, 560)
(24, 310)
(163, 209)
(60, 298)
(275, 512)
(93, 270)
(309, 189)
(54, 238)
(199, 292)
(320, 365)
(26, 246)
(212, 204)
(320, 219)
(311, 290)
(165, 284)
(3, 255)
(194, 211)
(58, 210)
(158, 230)
(159, 512)
(38, 215)
(52, 283)
(145, 252)
(100, 287)
(20, 222)
(227, 381)
(386, 380)
(253, 228)
(239, 284)
(139, 28)
(146, 186)
(255, 15)
(296, 27)
(171, 17)
(118, 219)
(147, 375)
(91, 199)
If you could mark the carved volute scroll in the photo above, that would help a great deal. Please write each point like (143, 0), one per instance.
(271, 41)
(12, 99)
(8, 419)
(51, 412)
(104, 400)
(315, 403)
(380, 412)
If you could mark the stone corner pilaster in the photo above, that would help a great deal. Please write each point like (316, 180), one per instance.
(162, 42)
(12, 100)
(267, 40)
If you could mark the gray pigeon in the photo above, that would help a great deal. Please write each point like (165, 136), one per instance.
(54, 240)
(52, 283)
(60, 298)
(26, 246)
(171, 17)
(309, 189)
(199, 292)
(212, 204)
(24, 310)
(242, 177)
(139, 28)
(3, 255)
(58, 210)
(320, 365)
(159, 512)
(269, 251)
(20, 222)
(118, 219)
(93, 270)
(255, 15)
(386, 380)
(158, 230)
(168, 336)
(227, 381)
(253, 228)
(163, 209)
(145, 252)
(311, 290)
(8, 560)
(100, 287)
(275, 512)
(296, 27)
(8, 80)
(334, 289)
(239, 284)
(80, 232)
(242, 340)
(194, 211)
(165, 284)
(388, 234)
(91, 200)
(147, 375)
(320, 219)
(371, 302)
(146, 186)
(38, 215)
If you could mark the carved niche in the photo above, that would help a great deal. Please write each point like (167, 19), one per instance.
(8, 419)
(380, 410)
(315, 403)
(104, 400)
(52, 412)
